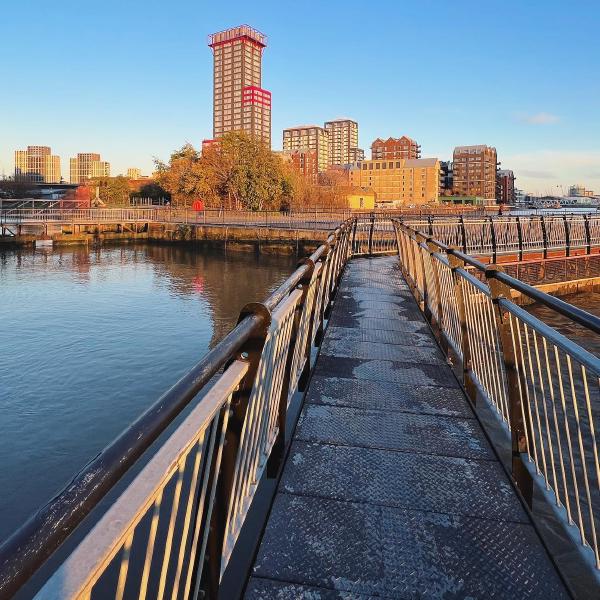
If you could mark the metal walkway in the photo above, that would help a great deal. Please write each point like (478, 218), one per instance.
(391, 488)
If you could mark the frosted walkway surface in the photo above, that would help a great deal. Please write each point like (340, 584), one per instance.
(391, 489)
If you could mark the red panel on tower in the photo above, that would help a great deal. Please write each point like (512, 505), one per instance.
(255, 96)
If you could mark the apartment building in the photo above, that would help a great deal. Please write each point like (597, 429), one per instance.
(505, 187)
(305, 161)
(239, 101)
(399, 182)
(87, 165)
(308, 137)
(133, 173)
(394, 148)
(38, 164)
(356, 155)
(475, 171)
(343, 139)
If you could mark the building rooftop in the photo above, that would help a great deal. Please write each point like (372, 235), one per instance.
(304, 127)
(392, 139)
(420, 162)
(241, 31)
(341, 120)
(474, 147)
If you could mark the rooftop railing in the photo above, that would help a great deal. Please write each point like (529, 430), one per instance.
(544, 387)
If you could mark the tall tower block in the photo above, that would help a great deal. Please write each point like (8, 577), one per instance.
(239, 101)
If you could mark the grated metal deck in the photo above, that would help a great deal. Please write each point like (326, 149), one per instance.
(391, 489)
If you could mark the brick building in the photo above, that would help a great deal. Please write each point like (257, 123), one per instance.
(306, 162)
(505, 187)
(403, 147)
(308, 138)
(399, 182)
(474, 171)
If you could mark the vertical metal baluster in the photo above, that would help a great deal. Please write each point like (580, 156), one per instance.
(535, 404)
(188, 516)
(545, 405)
(150, 546)
(124, 566)
(526, 396)
(581, 452)
(193, 568)
(595, 452)
(171, 531)
(489, 326)
(568, 432)
(556, 432)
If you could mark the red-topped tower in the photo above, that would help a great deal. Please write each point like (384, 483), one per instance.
(239, 102)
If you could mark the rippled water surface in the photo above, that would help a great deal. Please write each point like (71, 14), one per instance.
(90, 338)
(588, 301)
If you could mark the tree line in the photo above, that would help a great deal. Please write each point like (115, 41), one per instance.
(238, 172)
(242, 173)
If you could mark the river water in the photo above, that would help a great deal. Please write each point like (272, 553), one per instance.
(91, 338)
(588, 301)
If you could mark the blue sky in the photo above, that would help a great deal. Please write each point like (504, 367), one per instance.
(132, 79)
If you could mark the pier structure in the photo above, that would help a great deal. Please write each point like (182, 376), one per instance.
(388, 423)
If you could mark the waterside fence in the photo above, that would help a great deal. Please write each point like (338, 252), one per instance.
(543, 387)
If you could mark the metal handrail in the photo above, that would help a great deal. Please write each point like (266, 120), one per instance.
(507, 235)
(542, 385)
(29, 547)
(569, 311)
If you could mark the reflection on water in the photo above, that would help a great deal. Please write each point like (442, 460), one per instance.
(588, 301)
(90, 338)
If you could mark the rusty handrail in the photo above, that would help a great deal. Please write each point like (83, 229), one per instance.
(24, 553)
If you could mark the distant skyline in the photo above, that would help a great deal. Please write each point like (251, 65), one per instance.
(133, 80)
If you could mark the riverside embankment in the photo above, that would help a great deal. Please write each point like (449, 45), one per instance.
(243, 238)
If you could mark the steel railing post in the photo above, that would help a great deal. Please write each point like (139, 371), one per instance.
(544, 236)
(436, 279)
(567, 236)
(276, 457)
(372, 223)
(493, 239)
(514, 385)
(463, 234)
(421, 239)
(251, 352)
(588, 236)
(323, 276)
(520, 238)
